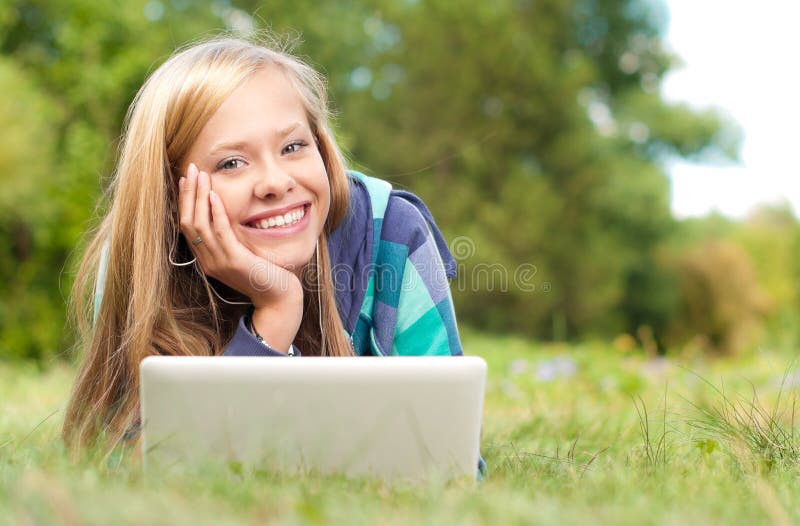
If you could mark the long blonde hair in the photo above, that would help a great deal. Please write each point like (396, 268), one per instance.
(148, 305)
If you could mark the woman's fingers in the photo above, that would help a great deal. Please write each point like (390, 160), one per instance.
(231, 248)
(222, 226)
(186, 199)
(202, 218)
(195, 214)
(189, 211)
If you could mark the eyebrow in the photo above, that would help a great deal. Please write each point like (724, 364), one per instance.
(239, 145)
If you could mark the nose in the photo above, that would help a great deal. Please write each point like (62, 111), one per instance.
(273, 182)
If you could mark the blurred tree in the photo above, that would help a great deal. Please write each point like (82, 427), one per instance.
(26, 218)
(766, 244)
(68, 70)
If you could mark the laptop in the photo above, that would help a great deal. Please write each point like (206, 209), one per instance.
(385, 417)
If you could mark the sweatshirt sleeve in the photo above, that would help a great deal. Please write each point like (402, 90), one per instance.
(419, 301)
(244, 343)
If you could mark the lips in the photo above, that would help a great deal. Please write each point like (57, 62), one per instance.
(270, 227)
(280, 221)
(275, 213)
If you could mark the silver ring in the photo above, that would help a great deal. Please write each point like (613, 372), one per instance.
(196, 241)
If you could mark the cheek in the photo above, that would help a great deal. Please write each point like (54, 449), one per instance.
(232, 202)
(228, 193)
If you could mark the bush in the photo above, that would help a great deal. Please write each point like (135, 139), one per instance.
(721, 300)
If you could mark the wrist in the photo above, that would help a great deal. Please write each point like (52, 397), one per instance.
(250, 326)
(276, 326)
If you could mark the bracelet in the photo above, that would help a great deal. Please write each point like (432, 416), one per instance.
(252, 328)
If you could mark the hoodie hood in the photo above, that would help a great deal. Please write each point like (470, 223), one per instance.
(350, 250)
(350, 247)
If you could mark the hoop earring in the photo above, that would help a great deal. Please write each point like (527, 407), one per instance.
(210, 286)
(173, 263)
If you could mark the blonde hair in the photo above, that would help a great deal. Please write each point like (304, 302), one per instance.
(148, 305)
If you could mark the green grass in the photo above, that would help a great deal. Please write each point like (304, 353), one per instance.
(571, 435)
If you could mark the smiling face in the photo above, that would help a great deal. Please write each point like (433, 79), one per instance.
(263, 162)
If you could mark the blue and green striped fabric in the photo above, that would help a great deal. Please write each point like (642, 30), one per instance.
(407, 309)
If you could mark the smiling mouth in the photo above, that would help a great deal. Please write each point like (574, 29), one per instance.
(282, 221)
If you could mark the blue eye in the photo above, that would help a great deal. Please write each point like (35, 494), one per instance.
(230, 164)
(293, 147)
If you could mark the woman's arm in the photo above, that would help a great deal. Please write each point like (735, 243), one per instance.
(425, 321)
(244, 343)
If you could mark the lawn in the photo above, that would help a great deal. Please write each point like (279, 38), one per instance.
(571, 435)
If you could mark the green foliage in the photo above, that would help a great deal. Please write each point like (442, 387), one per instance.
(755, 285)
(720, 297)
(27, 218)
(68, 71)
(770, 237)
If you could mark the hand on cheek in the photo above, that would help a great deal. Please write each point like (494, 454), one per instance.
(204, 222)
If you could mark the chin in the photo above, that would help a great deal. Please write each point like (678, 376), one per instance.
(292, 264)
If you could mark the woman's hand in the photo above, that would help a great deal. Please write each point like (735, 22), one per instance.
(204, 222)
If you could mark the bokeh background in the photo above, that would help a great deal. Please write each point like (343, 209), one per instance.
(535, 130)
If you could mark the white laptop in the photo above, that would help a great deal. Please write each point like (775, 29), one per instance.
(388, 417)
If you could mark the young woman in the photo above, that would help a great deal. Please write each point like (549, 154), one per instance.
(235, 229)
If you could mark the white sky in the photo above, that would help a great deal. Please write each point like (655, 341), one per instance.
(740, 56)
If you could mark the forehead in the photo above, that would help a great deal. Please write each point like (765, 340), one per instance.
(266, 102)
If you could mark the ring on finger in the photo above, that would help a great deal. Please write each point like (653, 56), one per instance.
(196, 241)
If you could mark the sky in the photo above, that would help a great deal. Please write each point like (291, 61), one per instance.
(740, 56)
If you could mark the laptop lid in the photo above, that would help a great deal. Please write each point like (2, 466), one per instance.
(390, 417)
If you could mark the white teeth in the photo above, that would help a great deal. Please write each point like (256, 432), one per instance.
(289, 218)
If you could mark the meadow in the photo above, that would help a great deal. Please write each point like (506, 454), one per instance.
(572, 434)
